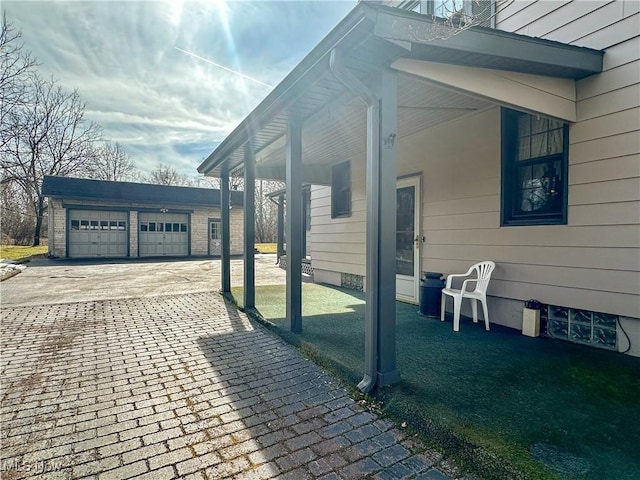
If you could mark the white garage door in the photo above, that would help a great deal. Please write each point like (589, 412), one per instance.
(98, 233)
(163, 234)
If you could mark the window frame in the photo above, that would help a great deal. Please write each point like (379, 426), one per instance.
(341, 186)
(510, 190)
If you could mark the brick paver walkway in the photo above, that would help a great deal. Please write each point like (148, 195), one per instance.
(179, 386)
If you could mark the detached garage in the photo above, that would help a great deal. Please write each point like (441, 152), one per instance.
(95, 218)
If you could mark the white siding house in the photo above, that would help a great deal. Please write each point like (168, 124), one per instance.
(585, 262)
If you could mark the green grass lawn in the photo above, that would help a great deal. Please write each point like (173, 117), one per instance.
(537, 408)
(17, 252)
(267, 247)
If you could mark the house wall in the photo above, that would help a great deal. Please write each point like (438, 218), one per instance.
(591, 263)
(199, 226)
(604, 153)
(339, 244)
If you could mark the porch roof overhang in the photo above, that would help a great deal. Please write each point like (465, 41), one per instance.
(371, 37)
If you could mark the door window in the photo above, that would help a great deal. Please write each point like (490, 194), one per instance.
(405, 231)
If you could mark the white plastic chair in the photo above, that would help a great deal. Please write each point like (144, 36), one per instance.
(483, 275)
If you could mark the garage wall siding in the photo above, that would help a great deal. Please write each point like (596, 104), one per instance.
(133, 233)
(200, 230)
(199, 226)
(58, 223)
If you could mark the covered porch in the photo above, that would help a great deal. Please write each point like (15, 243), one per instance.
(379, 77)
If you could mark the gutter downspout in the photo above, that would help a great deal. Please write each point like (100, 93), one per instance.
(372, 310)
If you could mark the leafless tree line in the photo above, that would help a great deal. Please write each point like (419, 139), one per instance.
(43, 131)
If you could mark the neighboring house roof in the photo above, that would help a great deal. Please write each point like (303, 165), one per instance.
(107, 191)
(371, 37)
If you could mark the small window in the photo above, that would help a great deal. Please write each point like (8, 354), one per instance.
(152, 226)
(183, 227)
(113, 225)
(215, 230)
(160, 226)
(104, 225)
(122, 225)
(534, 169)
(144, 227)
(176, 227)
(341, 190)
(167, 227)
(75, 224)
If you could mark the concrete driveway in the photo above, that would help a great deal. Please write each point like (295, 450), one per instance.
(132, 375)
(54, 281)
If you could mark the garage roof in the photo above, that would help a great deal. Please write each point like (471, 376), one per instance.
(107, 191)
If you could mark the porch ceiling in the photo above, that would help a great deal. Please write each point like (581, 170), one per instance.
(371, 37)
(338, 130)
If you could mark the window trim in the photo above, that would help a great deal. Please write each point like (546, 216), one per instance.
(341, 170)
(508, 136)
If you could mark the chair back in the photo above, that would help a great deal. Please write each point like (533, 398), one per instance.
(483, 270)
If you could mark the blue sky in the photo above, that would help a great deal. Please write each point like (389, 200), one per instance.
(130, 64)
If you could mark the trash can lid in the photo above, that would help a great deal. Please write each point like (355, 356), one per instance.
(432, 275)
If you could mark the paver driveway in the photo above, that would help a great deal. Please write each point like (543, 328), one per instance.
(179, 386)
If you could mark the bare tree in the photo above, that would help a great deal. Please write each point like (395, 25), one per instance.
(47, 136)
(16, 221)
(450, 17)
(15, 67)
(112, 163)
(167, 175)
(266, 210)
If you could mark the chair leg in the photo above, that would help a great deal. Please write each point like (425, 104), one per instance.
(457, 301)
(485, 310)
(474, 309)
(443, 302)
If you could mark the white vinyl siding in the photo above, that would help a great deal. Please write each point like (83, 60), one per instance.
(593, 262)
(348, 234)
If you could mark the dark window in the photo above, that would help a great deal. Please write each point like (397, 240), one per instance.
(122, 225)
(160, 227)
(144, 227)
(113, 225)
(75, 225)
(167, 227)
(152, 226)
(94, 225)
(534, 169)
(183, 227)
(341, 190)
(306, 202)
(104, 224)
(176, 227)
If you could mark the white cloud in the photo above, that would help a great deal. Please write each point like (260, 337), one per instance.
(162, 105)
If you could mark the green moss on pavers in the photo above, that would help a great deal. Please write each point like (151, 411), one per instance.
(490, 399)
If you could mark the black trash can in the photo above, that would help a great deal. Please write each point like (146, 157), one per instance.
(431, 294)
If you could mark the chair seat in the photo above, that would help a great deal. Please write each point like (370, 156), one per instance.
(453, 292)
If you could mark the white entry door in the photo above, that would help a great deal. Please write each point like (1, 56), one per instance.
(408, 240)
(215, 236)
